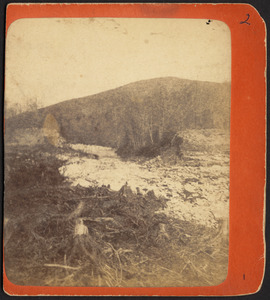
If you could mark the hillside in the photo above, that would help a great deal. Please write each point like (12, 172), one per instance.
(81, 215)
(135, 115)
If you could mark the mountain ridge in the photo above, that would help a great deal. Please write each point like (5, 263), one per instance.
(136, 114)
(138, 82)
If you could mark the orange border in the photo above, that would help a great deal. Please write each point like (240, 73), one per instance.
(248, 139)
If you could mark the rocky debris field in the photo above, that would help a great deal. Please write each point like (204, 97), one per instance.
(197, 186)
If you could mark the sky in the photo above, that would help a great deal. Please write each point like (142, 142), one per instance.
(51, 60)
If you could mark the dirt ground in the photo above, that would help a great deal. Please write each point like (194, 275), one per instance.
(60, 234)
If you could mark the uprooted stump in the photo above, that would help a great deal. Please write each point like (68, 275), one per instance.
(84, 249)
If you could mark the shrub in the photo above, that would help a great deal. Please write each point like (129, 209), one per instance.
(149, 151)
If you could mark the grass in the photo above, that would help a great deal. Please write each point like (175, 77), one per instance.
(128, 242)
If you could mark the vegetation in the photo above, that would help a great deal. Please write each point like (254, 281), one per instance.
(137, 117)
(14, 109)
(58, 235)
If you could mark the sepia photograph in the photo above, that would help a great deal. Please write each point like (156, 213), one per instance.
(117, 152)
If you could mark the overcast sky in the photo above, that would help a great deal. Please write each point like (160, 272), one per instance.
(53, 60)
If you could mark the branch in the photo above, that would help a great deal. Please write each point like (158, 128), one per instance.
(62, 266)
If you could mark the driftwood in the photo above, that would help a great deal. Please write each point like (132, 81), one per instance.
(115, 242)
(62, 266)
(77, 211)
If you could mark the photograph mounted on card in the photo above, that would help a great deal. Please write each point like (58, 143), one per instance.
(126, 167)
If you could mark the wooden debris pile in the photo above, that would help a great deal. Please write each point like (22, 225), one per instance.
(74, 236)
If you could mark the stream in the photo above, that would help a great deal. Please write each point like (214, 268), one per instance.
(197, 188)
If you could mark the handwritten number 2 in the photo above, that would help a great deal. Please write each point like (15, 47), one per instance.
(245, 22)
